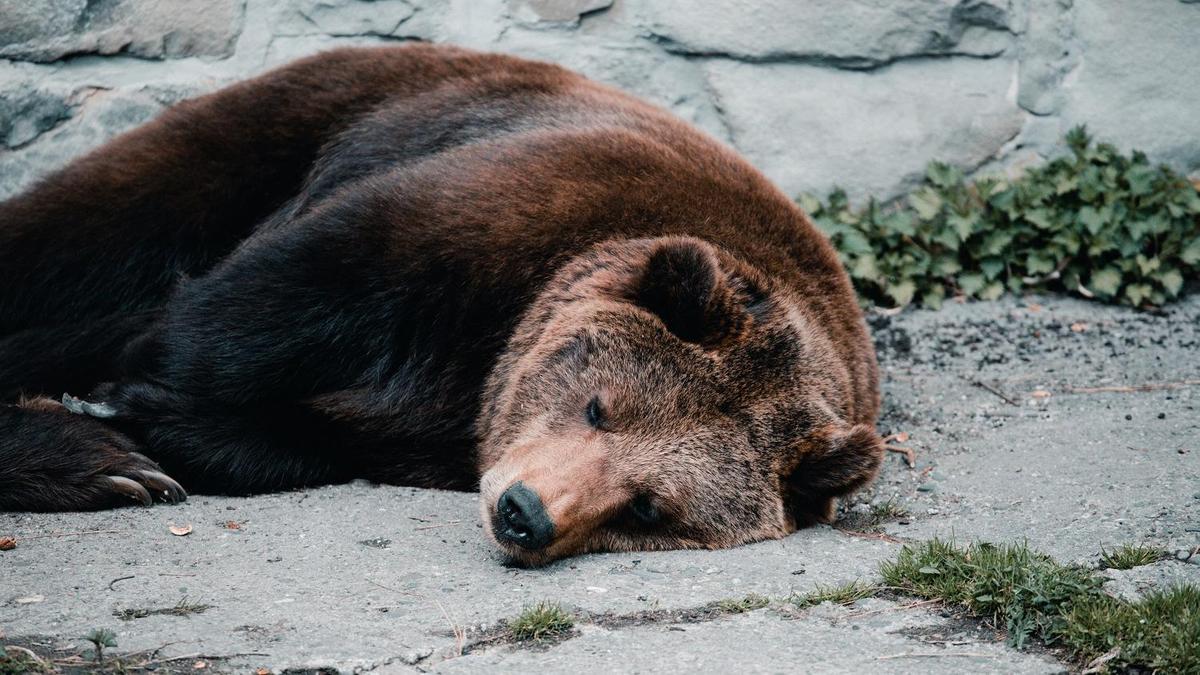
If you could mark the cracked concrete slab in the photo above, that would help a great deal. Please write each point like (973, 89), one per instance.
(361, 577)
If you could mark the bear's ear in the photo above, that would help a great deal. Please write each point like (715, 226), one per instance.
(837, 461)
(683, 285)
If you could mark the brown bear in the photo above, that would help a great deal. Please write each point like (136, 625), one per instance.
(428, 266)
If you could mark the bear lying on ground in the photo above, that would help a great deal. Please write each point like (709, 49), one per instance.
(428, 266)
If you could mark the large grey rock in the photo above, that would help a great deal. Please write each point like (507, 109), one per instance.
(47, 30)
(812, 128)
(861, 33)
(678, 84)
(557, 10)
(1048, 52)
(344, 17)
(1139, 81)
(95, 115)
(26, 114)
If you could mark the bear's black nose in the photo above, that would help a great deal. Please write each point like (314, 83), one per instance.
(521, 518)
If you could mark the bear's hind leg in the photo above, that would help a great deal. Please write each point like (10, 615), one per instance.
(54, 460)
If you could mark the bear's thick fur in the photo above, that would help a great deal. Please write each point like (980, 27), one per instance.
(428, 266)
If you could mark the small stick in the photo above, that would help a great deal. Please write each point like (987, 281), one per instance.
(912, 605)
(168, 574)
(110, 584)
(208, 657)
(1131, 389)
(908, 655)
(53, 535)
(437, 525)
(460, 635)
(877, 536)
(987, 387)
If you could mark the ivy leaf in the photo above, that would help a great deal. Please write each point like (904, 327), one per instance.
(992, 267)
(971, 283)
(933, 297)
(1040, 217)
(1193, 201)
(1105, 282)
(1147, 266)
(899, 222)
(942, 175)
(865, 267)
(810, 204)
(1136, 293)
(964, 225)
(945, 266)
(902, 293)
(1038, 262)
(1140, 179)
(996, 241)
(992, 291)
(1172, 281)
(1092, 218)
(1065, 184)
(1191, 253)
(926, 202)
(854, 241)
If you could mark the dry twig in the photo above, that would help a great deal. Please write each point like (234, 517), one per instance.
(1131, 389)
(912, 655)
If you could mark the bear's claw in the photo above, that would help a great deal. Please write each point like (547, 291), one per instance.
(164, 486)
(128, 487)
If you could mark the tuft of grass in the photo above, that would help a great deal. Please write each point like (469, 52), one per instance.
(749, 603)
(101, 638)
(540, 622)
(1129, 556)
(1159, 633)
(890, 510)
(1035, 597)
(845, 594)
(182, 608)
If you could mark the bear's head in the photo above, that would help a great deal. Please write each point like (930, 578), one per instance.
(661, 394)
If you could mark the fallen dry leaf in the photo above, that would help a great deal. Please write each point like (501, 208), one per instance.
(263, 671)
(181, 530)
(7, 543)
(902, 437)
(199, 665)
(1041, 393)
(1078, 327)
(1034, 307)
(233, 525)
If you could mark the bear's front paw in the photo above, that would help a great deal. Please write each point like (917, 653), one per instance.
(53, 460)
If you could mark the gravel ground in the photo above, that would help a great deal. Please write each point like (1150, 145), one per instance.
(1056, 421)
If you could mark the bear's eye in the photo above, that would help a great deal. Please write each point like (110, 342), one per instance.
(644, 510)
(596, 415)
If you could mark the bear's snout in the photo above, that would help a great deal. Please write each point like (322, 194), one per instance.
(521, 519)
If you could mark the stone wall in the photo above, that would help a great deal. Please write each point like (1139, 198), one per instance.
(857, 93)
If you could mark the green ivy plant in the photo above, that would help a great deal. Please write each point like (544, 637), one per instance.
(1097, 223)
